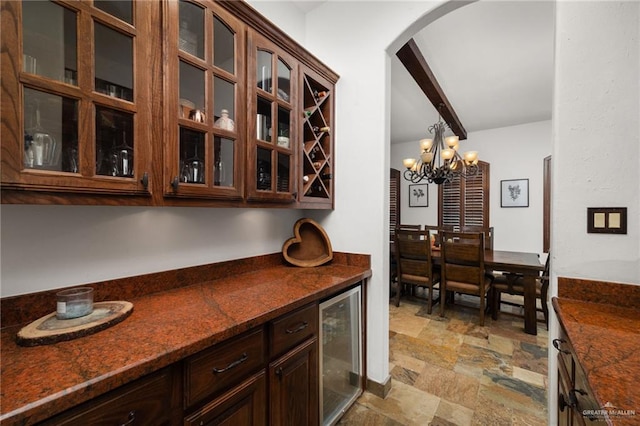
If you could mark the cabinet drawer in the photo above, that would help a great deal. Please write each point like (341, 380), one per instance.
(293, 328)
(245, 404)
(223, 365)
(146, 401)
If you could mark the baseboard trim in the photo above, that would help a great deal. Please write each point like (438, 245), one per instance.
(381, 390)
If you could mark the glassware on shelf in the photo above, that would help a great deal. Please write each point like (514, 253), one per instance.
(219, 176)
(197, 115)
(193, 169)
(122, 159)
(40, 146)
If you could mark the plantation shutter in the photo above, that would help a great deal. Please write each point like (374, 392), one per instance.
(394, 201)
(451, 203)
(465, 202)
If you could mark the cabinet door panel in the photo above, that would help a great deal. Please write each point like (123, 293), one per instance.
(204, 102)
(272, 122)
(294, 386)
(74, 62)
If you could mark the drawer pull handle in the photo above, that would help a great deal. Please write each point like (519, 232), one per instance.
(279, 371)
(234, 364)
(562, 403)
(556, 344)
(130, 419)
(302, 327)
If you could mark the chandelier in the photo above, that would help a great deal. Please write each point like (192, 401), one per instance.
(438, 164)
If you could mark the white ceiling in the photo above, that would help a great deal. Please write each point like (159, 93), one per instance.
(494, 62)
(493, 59)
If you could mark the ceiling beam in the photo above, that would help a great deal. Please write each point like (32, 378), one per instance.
(414, 62)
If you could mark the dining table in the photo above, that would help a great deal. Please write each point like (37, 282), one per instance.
(526, 264)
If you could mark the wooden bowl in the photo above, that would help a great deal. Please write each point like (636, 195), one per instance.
(310, 245)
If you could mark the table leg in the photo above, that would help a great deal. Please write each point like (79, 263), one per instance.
(530, 322)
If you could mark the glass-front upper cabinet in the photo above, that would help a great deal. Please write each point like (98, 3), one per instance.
(272, 126)
(75, 115)
(204, 106)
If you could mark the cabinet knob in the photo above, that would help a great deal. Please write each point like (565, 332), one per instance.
(145, 180)
(556, 344)
(174, 183)
(279, 371)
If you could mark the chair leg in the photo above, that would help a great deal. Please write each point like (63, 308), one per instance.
(430, 301)
(482, 304)
(443, 298)
(496, 297)
(545, 309)
(398, 290)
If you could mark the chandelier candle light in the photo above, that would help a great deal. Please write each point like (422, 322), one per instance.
(438, 164)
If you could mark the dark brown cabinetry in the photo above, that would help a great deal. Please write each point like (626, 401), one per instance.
(152, 400)
(245, 404)
(76, 110)
(575, 398)
(186, 102)
(204, 101)
(293, 371)
(267, 375)
(293, 386)
(273, 93)
(230, 381)
(316, 156)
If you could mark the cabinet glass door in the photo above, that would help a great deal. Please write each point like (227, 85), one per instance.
(204, 150)
(81, 124)
(272, 153)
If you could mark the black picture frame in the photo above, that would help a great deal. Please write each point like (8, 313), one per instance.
(419, 195)
(514, 193)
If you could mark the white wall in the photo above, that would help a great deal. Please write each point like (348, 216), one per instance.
(515, 152)
(46, 247)
(596, 126)
(595, 149)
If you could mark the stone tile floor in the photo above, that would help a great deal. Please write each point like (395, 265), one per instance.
(450, 371)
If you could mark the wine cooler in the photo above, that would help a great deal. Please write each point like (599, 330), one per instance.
(340, 354)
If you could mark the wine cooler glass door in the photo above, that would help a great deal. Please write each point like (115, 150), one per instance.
(340, 354)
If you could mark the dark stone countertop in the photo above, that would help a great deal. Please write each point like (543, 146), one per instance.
(188, 314)
(602, 321)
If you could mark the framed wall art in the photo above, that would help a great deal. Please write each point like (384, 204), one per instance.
(419, 195)
(514, 193)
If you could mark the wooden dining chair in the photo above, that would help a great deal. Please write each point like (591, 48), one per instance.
(462, 268)
(512, 284)
(487, 232)
(393, 267)
(415, 266)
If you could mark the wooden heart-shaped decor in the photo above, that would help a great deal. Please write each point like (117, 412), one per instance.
(310, 245)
